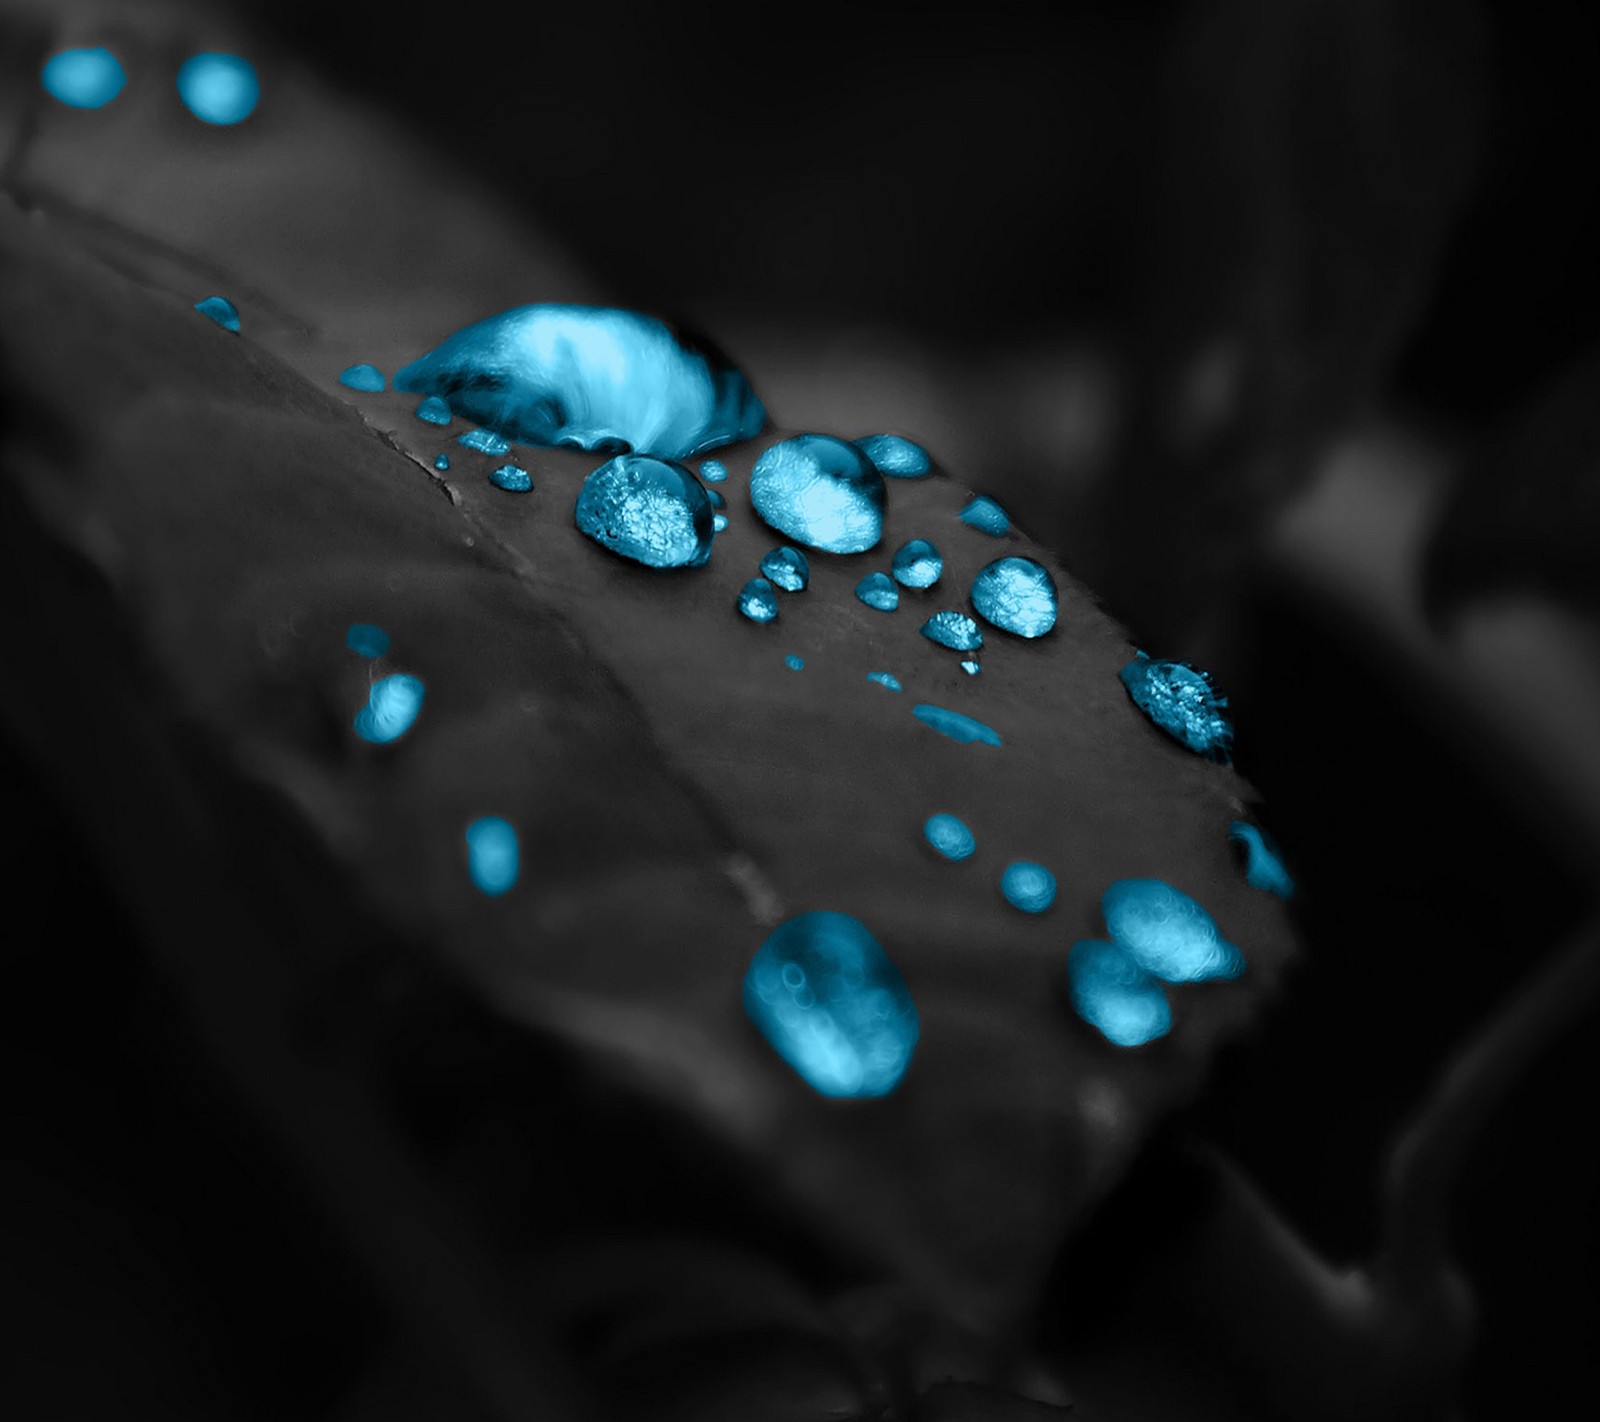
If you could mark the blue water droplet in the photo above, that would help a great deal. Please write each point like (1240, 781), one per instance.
(820, 491)
(512, 478)
(883, 678)
(917, 564)
(970, 667)
(826, 996)
(758, 602)
(718, 522)
(366, 639)
(218, 88)
(1180, 700)
(717, 501)
(220, 310)
(485, 442)
(949, 836)
(391, 707)
(878, 590)
(362, 377)
(492, 854)
(651, 510)
(787, 568)
(1113, 994)
(433, 411)
(898, 458)
(794, 663)
(954, 630)
(983, 514)
(1016, 595)
(1027, 886)
(589, 377)
(83, 78)
(955, 725)
(1167, 932)
(442, 462)
(1264, 867)
(713, 471)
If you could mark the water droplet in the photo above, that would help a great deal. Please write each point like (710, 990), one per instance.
(819, 491)
(1016, 595)
(717, 501)
(1179, 700)
(718, 522)
(433, 411)
(391, 707)
(949, 836)
(826, 996)
(362, 377)
(1029, 887)
(986, 516)
(918, 564)
(1113, 994)
(512, 478)
(888, 679)
(492, 854)
(589, 377)
(953, 724)
(220, 310)
(787, 568)
(218, 88)
(954, 630)
(794, 663)
(442, 462)
(651, 510)
(878, 590)
(485, 442)
(366, 639)
(898, 458)
(970, 667)
(713, 471)
(758, 602)
(83, 78)
(1264, 867)
(1168, 933)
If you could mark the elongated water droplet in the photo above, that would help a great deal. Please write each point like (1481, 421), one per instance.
(512, 478)
(954, 630)
(1016, 595)
(713, 471)
(970, 667)
(878, 590)
(653, 511)
(898, 458)
(949, 836)
(442, 462)
(758, 602)
(1180, 700)
(366, 640)
(362, 377)
(484, 441)
(1168, 933)
(983, 514)
(794, 663)
(1113, 994)
(1264, 867)
(917, 564)
(219, 88)
(220, 310)
(832, 1004)
(492, 854)
(83, 78)
(433, 411)
(883, 678)
(955, 725)
(787, 568)
(819, 491)
(1029, 887)
(392, 706)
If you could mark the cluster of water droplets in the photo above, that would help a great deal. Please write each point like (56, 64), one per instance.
(218, 89)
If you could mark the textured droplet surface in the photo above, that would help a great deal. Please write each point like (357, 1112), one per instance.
(787, 568)
(1167, 933)
(83, 78)
(794, 663)
(954, 630)
(651, 510)
(588, 377)
(1180, 700)
(1263, 866)
(392, 707)
(883, 678)
(821, 492)
(878, 590)
(362, 377)
(433, 411)
(949, 836)
(956, 725)
(513, 478)
(758, 601)
(485, 442)
(442, 462)
(917, 564)
(220, 310)
(892, 455)
(713, 471)
(1028, 886)
(1017, 595)
(366, 639)
(1113, 994)
(493, 857)
(983, 514)
(219, 88)
(827, 997)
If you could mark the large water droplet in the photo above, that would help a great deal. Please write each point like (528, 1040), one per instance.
(1167, 932)
(1179, 700)
(820, 491)
(713, 471)
(883, 678)
(1264, 867)
(513, 478)
(983, 514)
(653, 511)
(1016, 595)
(392, 706)
(954, 630)
(898, 458)
(83, 78)
(917, 564)
(218, 88)
(220, 310)
(366, 640)
(757, 601)
(878, 590)
(1029, 887)
(362, 377)
(787, 568)
(590, 377)
(485, 442)
(955, 725)
(832, 1004)
(492, 854)
(433, 411)
(1114, 994)
(949, 836)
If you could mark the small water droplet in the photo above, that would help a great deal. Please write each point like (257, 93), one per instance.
(787, 568)
(955, 725)
(442, 462)
(651, 510)
(949, 836)
(983, 514)
(1113, 994)
(492, 854)
(898, 458)
(433, 411)
(1264, 867)
(819, 491)
(484, 441)
(1027, 886)
(878, 590)
(218, 88)
(362, 377)
(713, 471)
(83, 78)
(970, 667)
(758, 602)
(512, 478)
(918, 564)
(717, 501)
(794, 663)
(1180, 700)
(220, 310)
(883, 678)
(1017, 595)
(1167, 933)
(718, 522)
(954, 630)
(392, 706)
(366, 639)
(831, 1003)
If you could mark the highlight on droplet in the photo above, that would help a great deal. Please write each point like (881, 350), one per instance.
(391, 708)
(652, 511)
(878, 591)
(758, 602)
(786, 568)
(821, 492)
(492, 854)
(1180, 701)
(83, 78)
(954, 630)
(218, 88)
